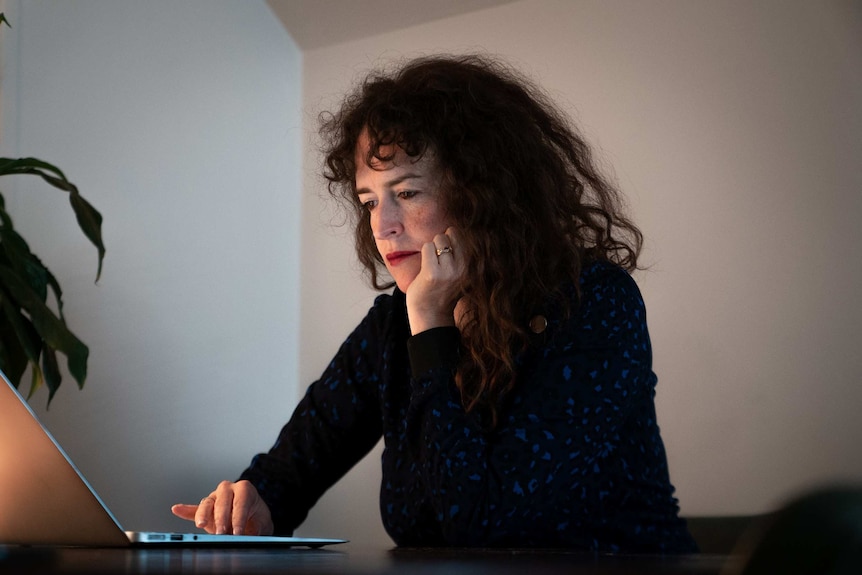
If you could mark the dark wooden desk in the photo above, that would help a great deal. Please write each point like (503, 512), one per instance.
(345, 560)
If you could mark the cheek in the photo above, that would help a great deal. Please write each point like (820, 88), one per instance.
(431, 221)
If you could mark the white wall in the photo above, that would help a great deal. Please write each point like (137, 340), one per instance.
(735, 130)
(180, 122)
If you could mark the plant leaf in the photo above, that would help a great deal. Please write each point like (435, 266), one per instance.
(55, 287)
(89, 219)
(36, 379)
(26, 263)
(4, 216)
(23, 262)
(28, 336)
(90, 222)
(13, 358)
(32, 330)
(29, 340)
(50, 371)
(50, 328)
(28, 166)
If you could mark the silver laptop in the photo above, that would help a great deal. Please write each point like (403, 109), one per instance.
(44, 499)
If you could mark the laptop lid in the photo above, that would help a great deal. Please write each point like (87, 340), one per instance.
(45, 500)
(43, 497)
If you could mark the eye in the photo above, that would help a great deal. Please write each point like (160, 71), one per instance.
(407, 194)
(367, 201)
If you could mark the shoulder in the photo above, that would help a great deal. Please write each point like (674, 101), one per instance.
(606, 307)
(605, 287)
(600, 276)
(383, 325)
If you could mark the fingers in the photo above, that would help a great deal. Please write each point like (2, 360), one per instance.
(184, 511)
(233, 508)
(210, 513)
(441, 260)
(445, 248)
(205, 514)
(449, 257)
(452, 234)
(430, 260)
(245, 497)
(201, 514)
(444, 243)
(441, 248)
(434, 293)
(223, 508)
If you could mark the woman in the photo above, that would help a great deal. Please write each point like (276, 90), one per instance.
(509, 371)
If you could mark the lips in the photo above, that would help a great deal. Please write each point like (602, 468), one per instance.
(395, 258)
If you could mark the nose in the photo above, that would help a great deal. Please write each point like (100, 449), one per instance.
(386, 220)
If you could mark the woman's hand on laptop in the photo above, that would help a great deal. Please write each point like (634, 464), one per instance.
(233, 508)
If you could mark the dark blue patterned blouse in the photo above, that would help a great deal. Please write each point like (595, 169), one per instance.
(576, 460)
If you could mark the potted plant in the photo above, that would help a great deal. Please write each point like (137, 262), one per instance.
(31, 333)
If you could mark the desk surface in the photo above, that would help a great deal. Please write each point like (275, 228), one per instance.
(346, 560)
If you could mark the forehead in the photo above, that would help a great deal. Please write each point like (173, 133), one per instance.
(400, 160)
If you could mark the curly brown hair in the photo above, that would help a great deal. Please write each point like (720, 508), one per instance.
(519, 183)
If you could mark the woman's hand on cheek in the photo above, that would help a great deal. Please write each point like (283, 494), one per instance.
(433, 294)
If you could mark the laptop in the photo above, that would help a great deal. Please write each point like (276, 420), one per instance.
(45, 500)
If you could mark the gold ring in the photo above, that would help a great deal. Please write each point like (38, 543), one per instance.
(446, 250)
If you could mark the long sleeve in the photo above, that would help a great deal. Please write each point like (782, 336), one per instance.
(576, 460)
(334, 425)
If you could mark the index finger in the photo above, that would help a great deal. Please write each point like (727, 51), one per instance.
(184, 511)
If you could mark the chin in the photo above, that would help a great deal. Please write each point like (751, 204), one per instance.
(403, 283)
(402, 279)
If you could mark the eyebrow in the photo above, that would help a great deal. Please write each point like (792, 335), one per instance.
(393, 182)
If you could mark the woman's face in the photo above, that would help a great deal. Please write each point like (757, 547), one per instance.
(403, 200)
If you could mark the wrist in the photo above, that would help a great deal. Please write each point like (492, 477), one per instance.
(434, 349)
(420, 322)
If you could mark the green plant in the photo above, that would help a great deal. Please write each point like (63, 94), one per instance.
(31, 333)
